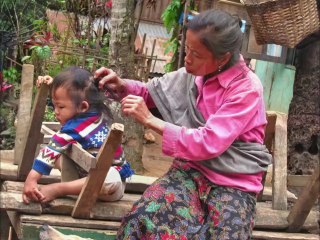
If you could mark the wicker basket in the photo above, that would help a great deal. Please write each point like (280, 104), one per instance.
(282, 22)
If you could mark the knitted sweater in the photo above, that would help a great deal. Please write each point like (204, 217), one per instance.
(89, 130)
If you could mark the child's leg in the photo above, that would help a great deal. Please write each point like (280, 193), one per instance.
(69, 171)
(113, 188)
(55, 190)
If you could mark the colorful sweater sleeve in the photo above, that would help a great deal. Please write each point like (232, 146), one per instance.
(48, 155)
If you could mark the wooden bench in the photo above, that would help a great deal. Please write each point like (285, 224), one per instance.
(103, 217)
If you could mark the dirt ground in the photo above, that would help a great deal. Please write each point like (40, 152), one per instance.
(154, 162)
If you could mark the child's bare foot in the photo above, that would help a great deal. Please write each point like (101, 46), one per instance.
(50, 192)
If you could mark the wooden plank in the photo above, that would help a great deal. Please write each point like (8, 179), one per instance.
(32, 231)
(54, 126)
(270, 130)
(267, 195)
(115, 211)
(33, 132)
(97, 175)
(7, 155)
(283, 236)
(8, 171)
(46, 130)
(279, 180)
(268, 218)
(298, 180)
(6, 226)
(23, 115)
(83, 158)
(136, 184)
(14, 218)
(68, 221)
(13, 202)
(306, 201)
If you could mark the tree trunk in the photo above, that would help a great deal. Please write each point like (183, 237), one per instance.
(304, 111)
(121, 59)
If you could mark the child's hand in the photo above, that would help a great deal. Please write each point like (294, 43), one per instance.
(44, 79)
(31, 191)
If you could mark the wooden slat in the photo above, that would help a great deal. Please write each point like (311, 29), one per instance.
(279, 181)
(83, 158)
(305, 202)
(68, 221)
(33, 132)
(7, 156)
(283, 236)
(96, 176)
(32, 231)
(13, 202)
(54, 126)
(298, 180)
(24, 111)
(266, 217)
(14, 218)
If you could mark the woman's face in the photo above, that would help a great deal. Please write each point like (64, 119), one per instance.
(199, 60)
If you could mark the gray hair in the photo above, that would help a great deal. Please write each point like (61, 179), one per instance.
(220, 32)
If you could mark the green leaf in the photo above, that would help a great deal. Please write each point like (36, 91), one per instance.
(25, 58)
(43, 52)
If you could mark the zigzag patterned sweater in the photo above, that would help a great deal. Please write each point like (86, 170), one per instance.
(89, 130)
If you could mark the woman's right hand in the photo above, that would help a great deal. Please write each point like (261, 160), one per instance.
(110, 79)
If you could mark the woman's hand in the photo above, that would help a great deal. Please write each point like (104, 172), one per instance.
(44, 79)
(135, 107)
(110, 79)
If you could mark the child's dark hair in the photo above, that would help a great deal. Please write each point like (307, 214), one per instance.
(220, 32)
(81, 86)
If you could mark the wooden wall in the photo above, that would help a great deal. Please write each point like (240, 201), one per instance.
(277, 80)
(154, 14)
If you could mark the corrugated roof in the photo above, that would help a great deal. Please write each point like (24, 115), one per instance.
(158, 32)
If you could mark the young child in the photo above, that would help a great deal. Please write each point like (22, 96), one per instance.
(79, 108)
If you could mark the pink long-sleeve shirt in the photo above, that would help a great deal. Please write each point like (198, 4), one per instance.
(233, 107)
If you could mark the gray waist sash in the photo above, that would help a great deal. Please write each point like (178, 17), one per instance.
(174, 95)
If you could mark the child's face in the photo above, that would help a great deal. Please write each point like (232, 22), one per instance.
(64, 108)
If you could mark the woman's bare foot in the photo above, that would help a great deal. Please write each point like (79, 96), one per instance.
(50, 192)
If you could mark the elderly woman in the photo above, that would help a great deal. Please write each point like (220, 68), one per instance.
(213, 120)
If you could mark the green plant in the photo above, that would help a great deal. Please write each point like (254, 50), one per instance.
(11, 75)
(49, 115)
(170, 18)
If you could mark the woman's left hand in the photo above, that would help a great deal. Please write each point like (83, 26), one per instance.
(135, 107)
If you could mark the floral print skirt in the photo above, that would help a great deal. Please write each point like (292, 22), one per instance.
(184, 204)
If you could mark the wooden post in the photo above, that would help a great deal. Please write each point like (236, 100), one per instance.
(33, 133)
(279, 179)
(97, 175)
(305, 202)
(184, 31)
(24, 110)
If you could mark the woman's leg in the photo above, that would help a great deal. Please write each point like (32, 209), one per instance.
(169, 209)
(230, 213)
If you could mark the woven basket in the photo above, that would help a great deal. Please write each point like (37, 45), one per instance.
(282, 22)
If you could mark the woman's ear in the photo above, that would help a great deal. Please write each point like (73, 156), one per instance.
(225, 59)
(84, 106)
